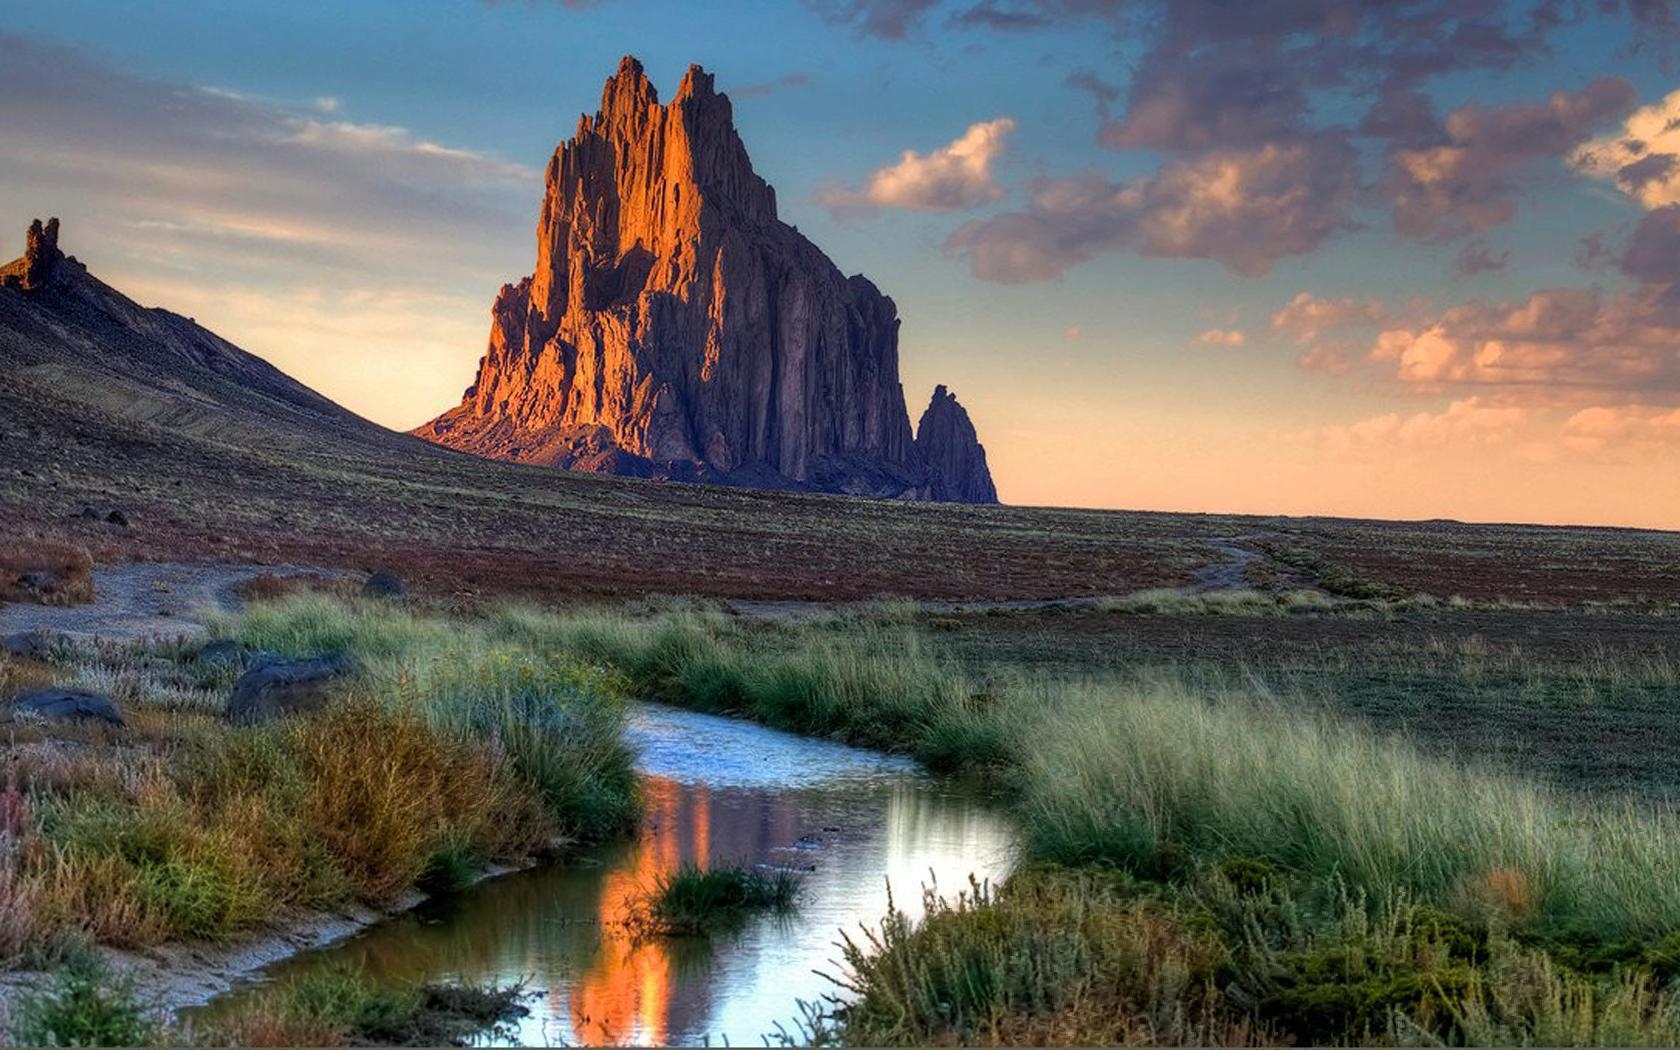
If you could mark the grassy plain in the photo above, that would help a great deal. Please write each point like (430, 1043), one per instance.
(1271, 814)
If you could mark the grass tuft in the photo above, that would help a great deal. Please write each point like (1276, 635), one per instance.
(696, 902)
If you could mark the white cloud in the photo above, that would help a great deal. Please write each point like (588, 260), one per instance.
(1643, 158)
(949, 178)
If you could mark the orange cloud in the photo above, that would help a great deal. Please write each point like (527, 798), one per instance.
(955, 176)
(1223, 337)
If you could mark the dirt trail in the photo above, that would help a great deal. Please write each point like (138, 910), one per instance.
(134, 600)
(1230, 574)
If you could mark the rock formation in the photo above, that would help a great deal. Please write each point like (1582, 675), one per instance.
(41, 258)
(952, 453)
(675, 327)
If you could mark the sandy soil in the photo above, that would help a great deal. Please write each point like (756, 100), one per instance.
(136, 600)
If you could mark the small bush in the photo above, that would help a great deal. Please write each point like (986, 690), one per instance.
(1052, 959)
(696, 901)
(83, 1004)
(46, 571)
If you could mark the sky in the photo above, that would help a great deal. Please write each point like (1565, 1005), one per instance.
(1378, 258)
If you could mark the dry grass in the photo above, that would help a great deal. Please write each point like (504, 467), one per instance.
(64, 571)
(268, 586)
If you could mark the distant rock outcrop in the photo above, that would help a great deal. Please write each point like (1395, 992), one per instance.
(675, 327)
(41, 258)
(951, 450)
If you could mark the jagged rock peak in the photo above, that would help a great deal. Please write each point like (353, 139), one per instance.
(40, 254)
(673, 326)
(951, 450)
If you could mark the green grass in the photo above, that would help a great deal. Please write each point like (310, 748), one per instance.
(1149, 777)
(1064, 956)
(870, 684)
(341, 1006)
(558, 719)
(84, 1003)
(450, 750)
(696, 901)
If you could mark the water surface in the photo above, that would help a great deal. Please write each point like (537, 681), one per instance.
(718, 790)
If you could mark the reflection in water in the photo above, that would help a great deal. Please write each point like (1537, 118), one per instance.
(858, 826)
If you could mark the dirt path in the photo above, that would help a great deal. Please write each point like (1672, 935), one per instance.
(134, 600)
(1230, 574)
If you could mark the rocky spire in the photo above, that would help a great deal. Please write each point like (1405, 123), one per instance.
(675, 327)
(40, 254)
(951, 450)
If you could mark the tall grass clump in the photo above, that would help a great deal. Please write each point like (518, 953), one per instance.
(1149, 777)
(557, 719)
(696, 901)
(1063, 956)
(870, 685)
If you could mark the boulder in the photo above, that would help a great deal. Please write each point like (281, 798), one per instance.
(33, 645)
(66, 705)
(277, 687)
(384, 584)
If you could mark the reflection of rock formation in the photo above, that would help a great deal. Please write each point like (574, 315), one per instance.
(651, 991)
(560, 929)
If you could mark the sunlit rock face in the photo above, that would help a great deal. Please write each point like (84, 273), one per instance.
(675, 327)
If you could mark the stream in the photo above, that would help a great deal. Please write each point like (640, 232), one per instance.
(718, 790)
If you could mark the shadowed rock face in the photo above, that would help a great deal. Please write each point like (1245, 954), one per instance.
(674, 327)
(41, 261)
(952, 453)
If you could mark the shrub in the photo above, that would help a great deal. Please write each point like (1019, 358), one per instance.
(696, 901)
(83, 1004)
(1053, 958)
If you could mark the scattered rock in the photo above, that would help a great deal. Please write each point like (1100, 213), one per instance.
(65, 705)
(275, 687)
(384, 584)
(33, 645)
(117, 517)
(675, 327)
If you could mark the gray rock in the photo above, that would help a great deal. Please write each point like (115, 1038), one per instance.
(276, 687)
(65, 705)
(33, 645)
(384, 584)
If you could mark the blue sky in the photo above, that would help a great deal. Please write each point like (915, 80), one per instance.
(1086, 368)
